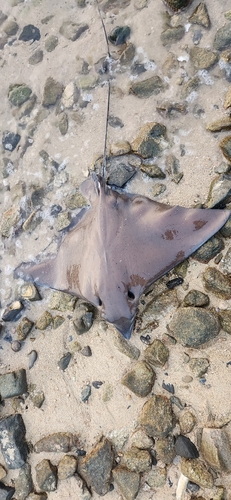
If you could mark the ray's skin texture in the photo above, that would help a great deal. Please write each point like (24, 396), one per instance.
(122, 244)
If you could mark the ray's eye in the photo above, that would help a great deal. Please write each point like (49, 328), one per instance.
(100, 301)
(131, 295)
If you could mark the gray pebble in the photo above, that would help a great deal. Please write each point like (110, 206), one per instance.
(172, 35)
(197, 472)
(32, 356)
(67, 467)
(209, 250)
(200, 16)
(58, 442)
(199, 367)
(127, 481)
(52, 92)
(85, 393)
(86, 351)
(156, 478)
(185, 448)
(19, 93)
(140, 379)
(51, 43)
(195, 298)
(12, 441)
(165, 449)
(145, 88)
(137, 460)
(156, 417)
(23, 483)
(157, 353)
(24, 328)
(46, 475)
(194, 326)
(13, 384)
(36, 57)
(10, 140)
(64, 361)
(15, 345)
(95, 467)
(222, 38)
(217, 283)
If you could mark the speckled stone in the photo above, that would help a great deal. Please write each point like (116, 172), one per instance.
(51, 43)
(225, 319)
(203, 58)
(148, 141)
(156, 416)
(195, 298)
(153, 171)
(225, 146)
(36, 57)
(11, 28)
(75, 200)
(172, 34)
(222, 38)
(72, 31)
(165, 449)
(67, 467)
(200, 16)
(219, 189)
(144, 89)
(156, 478)
(173, 168)
(157, 353)
(187, 422)
(127, 481)
(199, 366)
(46, 475)
(95, 468)
(137, 460)
(197, 472)
(158, 189)
(223, 123)
(58, 442)
(216, 449)
(52, 92)
(13, 384)
(209, 250)
(124, 346)
(140, 379)
(226, 229)
(190, 86)
(139, 439)
(24, 328)
(120, 148)
(10, 219)
(23, 483)
(217, 283)
(193, 326)
(44, 321)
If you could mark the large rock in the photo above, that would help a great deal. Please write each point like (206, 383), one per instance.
(12, 441)
(216, 449)
(46, 475)
(157, 417)
(61, 442)
(95, 467)
(128, 482)
(193, 326)
(217, 283)
(140, 379)
(13, 384)
(196, 471)
(148, 142)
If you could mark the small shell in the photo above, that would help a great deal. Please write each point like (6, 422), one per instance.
(32, 358)
(176, 5)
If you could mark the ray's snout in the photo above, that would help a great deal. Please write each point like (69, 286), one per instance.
(124, 326)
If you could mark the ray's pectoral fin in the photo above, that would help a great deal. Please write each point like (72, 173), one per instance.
(42, 274)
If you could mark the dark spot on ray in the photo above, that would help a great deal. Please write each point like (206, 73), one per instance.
(199, 224)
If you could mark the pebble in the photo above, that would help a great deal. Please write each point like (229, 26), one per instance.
(127, 481)
(19, 93)
(23, 483)
(30, 32)
(119, 35)
(97, 384)
(140, 379)
(95, 468)
(46, 475)
(70, 95)
(156, 478)
(64, 361)
(10, 140)
(203, 58)
(36, 57)
(219, 189)
(84, 317)
(139, 439)
(75, 200)
(225, 146)
(195, 298)
(200, 16)
(199, 366)
(12, 312)
(120, 148)
(193, 326)
(28, 291)
(156, 417)
(58, 442)
(52, 92)
(44, 321)
(9, 222)
(137, 460)
(87, 82)
(24, 328)
(226, 229)
(148, 142)
(32, 357)
(152, 171)
(86, 351)
(216, 449)
(12, 441)
(15, 345)
(225, 319)
(157, 353)
(115, 122)
(227, 102)
(58, 321)
(223, 123)
(124, 346)
(165, 450)
(144, 89)
(62, 301)
(190, 86)
(209, 250)
(13, 384)
(51, 43)
(72, 31)
(67, 467)
(120, 169)
(176, 401)
(187, 422)
(197, 472)
(185, 448)
(85, 393)
(172, 35)
(128, 55)
(170, 109)
(37, 496)
(217, 283)
(37, 398)
(173, 168)
(6, 492)
(222, 38)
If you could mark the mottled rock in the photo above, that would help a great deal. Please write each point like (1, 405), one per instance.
(223, 123)
(72, 31)
(37, 496)
(216, 449)
(156, 417)
(120, 148)
(225, 319)
(139, 439)
(64, 361)
(115, 122)
(19, 93)
(28, 291)
(85, 393)
(219, 189)
(172, 34)
(208, 251)
(227, 102)
(222, 38)
(195, 298)
(52, 92)
(137, 460)
(226, 229)
(187, 421)
(156, 477)
(217, 283)
(67, 467)
(157, 353)
(127, 481)
(190, 86)
(62, 301)
(124, 346)
(44, 321)
(199, 366)
(87, 82)
(119, 35)
(23, 483)
(193, 327)
(144, 89)
(203, 58)
(185, 448)
(225, 146)
(6, 492)
(12, 441)
(37, 397)
(158, 189)
(95, 467)
(63, 220)
(173, 168)
(51, 43)
(120, 169)
(36, 57)
(84, 317)
(139, 379)
(75, 200)
(200, 16)
(46, 475)
(196, 471)
(30, 32)
(128, 54)
(165, 449)
(152, 171)
(71, 95)
(13, 384)
(148, 143)
(10, 140)
(12, 312)
(24, 328)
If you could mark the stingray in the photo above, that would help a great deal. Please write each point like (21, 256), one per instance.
(120, 245)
